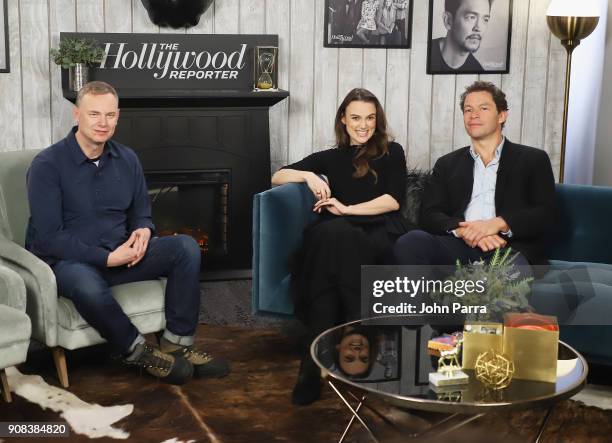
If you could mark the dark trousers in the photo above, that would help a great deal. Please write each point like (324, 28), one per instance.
(175, 257)
(422, 248)
(426, 250)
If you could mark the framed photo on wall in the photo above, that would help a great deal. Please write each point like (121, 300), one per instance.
(368, 23)
(4, 37)
(469, 36)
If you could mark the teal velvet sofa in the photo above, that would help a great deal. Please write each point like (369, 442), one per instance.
(581, 261)
(578, 287)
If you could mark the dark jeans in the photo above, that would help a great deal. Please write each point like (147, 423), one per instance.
(175, 257)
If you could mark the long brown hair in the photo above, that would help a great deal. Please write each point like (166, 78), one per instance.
(376, 146)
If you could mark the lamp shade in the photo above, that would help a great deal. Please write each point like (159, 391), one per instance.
(573, 8)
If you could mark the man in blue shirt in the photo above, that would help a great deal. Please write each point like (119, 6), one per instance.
(491, 194)
(91, 222)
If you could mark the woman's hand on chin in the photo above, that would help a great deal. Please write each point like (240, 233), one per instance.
(332, 205)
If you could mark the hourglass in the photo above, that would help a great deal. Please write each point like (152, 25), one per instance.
(265, 68)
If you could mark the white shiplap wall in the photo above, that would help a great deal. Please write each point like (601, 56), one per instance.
(422, 110)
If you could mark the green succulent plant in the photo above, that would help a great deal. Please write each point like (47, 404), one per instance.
(505, 290)
(77, 50)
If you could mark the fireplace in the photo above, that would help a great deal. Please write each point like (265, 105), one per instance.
(205, 154)
(203, 164)
(195, 203)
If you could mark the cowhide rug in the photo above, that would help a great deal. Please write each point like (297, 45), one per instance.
(89, 419)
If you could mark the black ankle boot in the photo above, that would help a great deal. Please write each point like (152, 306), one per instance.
(307, 389)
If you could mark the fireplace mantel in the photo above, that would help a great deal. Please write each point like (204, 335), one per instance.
(182, 98)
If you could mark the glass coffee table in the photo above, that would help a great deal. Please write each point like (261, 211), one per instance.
(361, 361)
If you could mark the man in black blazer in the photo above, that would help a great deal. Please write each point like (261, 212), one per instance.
(491, 194)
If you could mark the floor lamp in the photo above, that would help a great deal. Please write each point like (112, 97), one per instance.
(570, 21)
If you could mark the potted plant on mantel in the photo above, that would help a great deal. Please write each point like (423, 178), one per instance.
(77, 55)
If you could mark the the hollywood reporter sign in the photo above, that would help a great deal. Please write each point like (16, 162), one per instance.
(167, 60)
(177, 61)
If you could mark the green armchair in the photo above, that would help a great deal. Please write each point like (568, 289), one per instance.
(15, 326)
(55, 321)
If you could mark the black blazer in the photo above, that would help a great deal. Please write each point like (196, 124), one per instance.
(524, 196)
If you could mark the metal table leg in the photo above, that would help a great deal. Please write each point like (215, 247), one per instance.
(352, 420)
(355, 413)
(373, 410)
(544, 423)
(433, 429)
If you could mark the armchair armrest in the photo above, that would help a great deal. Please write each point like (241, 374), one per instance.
(279, 218)
(12, 289)
(41, 289)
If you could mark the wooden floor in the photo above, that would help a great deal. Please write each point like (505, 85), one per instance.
(252, 404)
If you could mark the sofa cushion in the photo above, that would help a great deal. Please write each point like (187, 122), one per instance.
(580, 295)
(577, 293)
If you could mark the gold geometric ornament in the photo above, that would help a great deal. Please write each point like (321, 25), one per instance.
(494, 370)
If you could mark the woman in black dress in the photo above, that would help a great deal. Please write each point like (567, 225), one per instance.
(360, 220)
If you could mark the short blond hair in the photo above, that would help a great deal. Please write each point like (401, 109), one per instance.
(95, 88)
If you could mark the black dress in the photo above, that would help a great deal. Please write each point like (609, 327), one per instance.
(326, 271)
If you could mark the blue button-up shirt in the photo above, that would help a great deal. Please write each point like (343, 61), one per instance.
(482, 202)
(81, 211)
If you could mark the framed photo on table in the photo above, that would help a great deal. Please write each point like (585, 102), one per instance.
(368, 23)
(473, 37)
(4, 37)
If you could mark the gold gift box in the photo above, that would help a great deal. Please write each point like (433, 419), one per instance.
(479, 338)
(534, 352)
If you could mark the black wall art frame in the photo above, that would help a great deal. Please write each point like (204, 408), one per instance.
(479, 28)
(368, 23)
(4, 38)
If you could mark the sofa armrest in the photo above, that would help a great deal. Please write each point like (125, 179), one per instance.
(41, 289)
(279, 218)
(12, 289)
(582, 224)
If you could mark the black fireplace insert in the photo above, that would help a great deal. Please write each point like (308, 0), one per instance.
(195, 203)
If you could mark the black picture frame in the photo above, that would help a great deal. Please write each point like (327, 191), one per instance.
(5, 65)
(492, 55)
(341, 25)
